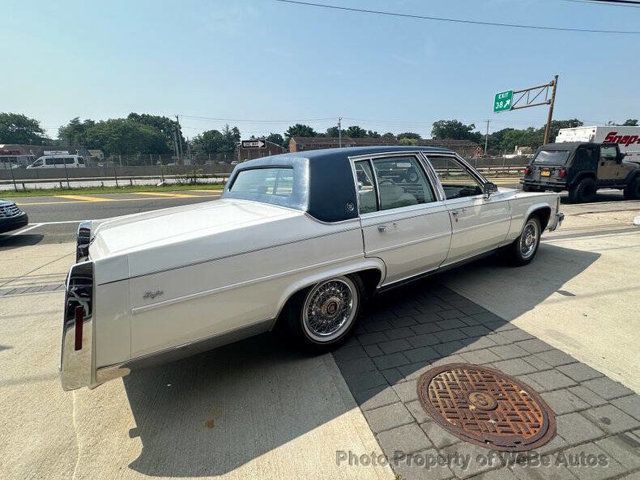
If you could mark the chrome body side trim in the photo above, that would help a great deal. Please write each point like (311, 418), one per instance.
(205, 293)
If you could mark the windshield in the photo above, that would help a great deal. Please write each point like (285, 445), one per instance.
(552, 157)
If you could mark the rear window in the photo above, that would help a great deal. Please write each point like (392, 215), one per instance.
(277, 182)
(552, 157)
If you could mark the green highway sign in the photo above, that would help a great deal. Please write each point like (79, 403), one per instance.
(502, 101)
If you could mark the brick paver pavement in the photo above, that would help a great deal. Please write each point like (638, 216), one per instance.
(408, 331)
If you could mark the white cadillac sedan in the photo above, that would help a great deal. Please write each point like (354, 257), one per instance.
(298, 240)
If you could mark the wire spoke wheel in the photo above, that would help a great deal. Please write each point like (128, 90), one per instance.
(529, 239)
(329, 309)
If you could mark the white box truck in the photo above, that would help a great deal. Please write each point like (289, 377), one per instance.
(627, 138)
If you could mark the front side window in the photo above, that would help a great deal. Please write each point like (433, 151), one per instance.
(276, 182)
(401, 182)
(456, 180)
(608, 153)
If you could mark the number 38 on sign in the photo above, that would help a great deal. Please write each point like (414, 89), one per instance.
(502, 101)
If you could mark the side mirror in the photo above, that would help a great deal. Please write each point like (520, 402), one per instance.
(489, 188)
(621, 156)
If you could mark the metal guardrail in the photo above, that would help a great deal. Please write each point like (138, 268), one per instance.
(19, 178)
(189, 174)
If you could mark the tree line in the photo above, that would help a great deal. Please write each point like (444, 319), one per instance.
(155, 134)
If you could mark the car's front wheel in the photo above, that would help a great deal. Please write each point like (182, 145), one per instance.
(324, 314)
(526, 245)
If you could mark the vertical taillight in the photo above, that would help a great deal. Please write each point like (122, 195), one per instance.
(78, 301)
(527, 170)
(79, 317)
(562, 172)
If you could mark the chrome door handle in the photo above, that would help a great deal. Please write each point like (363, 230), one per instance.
(456, 213)
(384, 228)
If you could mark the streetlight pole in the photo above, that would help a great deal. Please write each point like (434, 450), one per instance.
(340, 132)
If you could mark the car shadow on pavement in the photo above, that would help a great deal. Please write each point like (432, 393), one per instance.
(215, 412)
(7, 242)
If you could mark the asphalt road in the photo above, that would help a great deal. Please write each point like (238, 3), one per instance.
(54, 219)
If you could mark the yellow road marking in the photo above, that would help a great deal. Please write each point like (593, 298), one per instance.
(213, 192)
(170, 195)
(84, 198)
(107, 200)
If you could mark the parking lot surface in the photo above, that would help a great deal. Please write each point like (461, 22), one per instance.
(566, 325)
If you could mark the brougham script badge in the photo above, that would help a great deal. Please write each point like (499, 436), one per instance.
(153, 295)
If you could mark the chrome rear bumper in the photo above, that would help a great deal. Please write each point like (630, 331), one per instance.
(559, 218)
(77, 364)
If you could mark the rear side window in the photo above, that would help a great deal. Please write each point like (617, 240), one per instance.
(585, 158)
(393, 182)
(401, 182)
(264, 181)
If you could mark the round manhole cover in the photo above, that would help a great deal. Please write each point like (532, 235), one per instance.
(487, 407)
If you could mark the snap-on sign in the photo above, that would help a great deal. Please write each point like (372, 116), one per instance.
(626, 140)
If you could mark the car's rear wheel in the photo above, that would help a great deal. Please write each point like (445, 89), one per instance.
(525, 247)
(324, 314)
(584, 191)
(632, 190)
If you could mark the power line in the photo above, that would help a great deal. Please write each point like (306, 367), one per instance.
(458, 20)
(603, 3)
(618, 2)
(245, 120)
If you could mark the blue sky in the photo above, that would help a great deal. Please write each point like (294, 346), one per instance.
(264, 60)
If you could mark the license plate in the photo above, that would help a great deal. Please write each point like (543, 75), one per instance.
(545, 173)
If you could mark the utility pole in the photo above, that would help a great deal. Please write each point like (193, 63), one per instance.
(486, 139)
(179, 137)
(547, 128)
(340, 132)
(175, 143)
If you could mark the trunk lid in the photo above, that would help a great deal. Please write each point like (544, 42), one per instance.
(130, 233)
